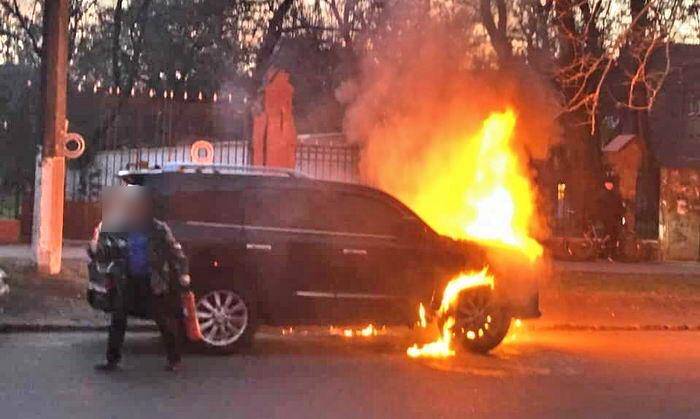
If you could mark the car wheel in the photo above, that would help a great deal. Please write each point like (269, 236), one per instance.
(480, 323)
(226, 320)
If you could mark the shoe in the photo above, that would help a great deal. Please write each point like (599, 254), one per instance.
(107, 367)
(173, 366)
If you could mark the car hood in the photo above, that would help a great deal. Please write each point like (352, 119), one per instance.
(470, 252)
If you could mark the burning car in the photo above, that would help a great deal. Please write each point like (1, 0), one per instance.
(271, 246)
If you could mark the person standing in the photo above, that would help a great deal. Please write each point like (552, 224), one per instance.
(612, 210)
(154, 273)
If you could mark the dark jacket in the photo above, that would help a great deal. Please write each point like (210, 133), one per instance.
(169, 269)
(611, 208)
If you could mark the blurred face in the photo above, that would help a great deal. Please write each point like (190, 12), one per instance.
(125, 208)
(608, 185)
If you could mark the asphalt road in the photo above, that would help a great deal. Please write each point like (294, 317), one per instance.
(542, 375)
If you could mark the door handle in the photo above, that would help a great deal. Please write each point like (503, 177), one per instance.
(361, 252)
(259, 246)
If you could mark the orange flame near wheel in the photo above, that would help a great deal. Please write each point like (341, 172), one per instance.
(442, 347)
(477, 189)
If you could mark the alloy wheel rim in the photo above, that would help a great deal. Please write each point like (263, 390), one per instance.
(475, 314)
(222, 316)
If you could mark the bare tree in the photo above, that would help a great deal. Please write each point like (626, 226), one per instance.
(126, 51)
(270, 39)
(588, 50)
(22, 23)
(497, 28)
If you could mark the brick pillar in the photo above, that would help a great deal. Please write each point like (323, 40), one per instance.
(274, 132)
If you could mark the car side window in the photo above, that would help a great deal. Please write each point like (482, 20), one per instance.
(282, 208)
(356, 213)
(320, 210)
(207, 206)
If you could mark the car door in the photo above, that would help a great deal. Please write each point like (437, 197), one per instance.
(289, 251)
(378, 272)
(206, 216)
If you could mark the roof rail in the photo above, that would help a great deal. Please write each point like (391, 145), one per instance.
(224, 169)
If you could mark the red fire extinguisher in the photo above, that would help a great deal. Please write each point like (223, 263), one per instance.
(194, 333)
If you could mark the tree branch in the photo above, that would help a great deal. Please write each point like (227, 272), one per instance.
(497, 32)
(12, 9)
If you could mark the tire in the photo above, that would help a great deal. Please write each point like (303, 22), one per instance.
(227, 319)
(480, 323)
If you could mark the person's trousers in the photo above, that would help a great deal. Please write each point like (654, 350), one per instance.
(165, 311)
(612, 230)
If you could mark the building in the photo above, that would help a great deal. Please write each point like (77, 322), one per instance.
(675, 141)
(662, 191)
(666, 193)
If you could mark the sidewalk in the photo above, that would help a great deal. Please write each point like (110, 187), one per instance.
(645, 268)
(56, 303)
(22, 253)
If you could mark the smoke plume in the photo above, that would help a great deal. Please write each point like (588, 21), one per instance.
(423, 91)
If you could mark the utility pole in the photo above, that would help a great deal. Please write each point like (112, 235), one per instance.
(47, 240)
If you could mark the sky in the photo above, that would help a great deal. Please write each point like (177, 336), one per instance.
(685, 32)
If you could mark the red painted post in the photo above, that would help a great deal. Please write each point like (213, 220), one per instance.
(274, 131)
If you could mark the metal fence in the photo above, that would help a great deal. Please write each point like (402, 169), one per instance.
(85, 184)
(337, 162)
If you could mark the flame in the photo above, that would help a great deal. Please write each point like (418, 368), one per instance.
(474, 186)
(460, 283)
(471, 186)
(367, 331)
(422, 320)
(442, 347)
(514, 333)
(466, 184)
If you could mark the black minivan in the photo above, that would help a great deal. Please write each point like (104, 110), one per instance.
(271, 246)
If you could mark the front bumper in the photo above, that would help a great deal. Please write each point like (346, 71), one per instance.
(529, 309)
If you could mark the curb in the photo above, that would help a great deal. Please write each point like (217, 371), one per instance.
(6, 328)
(618, 328)
(10, 328)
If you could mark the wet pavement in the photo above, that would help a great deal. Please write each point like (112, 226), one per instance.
(543, 374)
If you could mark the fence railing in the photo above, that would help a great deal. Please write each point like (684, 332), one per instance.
(338, 162)
(329, 162)
(86, 184)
